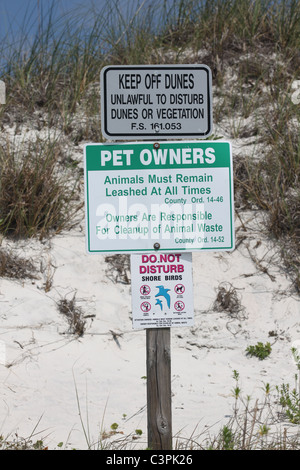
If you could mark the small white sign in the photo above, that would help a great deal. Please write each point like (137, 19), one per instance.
(162, 290)
(145, 101)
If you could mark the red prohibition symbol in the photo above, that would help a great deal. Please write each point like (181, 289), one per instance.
(145, 290)
(179, 305)
(179, 288)
(145, 306)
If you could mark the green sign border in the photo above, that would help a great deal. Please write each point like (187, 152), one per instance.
(91, 163)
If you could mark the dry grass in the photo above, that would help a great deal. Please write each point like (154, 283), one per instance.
(252, 48)
(37, 195)
(73, 314)
(118, 268)
(15, 267)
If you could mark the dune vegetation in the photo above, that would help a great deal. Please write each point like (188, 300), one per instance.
(52, 78)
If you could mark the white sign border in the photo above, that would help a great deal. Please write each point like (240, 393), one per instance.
(158, 319)
(156, 136)
(161, 250)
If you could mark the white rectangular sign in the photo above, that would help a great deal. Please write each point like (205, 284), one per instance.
(171, 196)
(156, 101)
(179, 195)
(162, 290)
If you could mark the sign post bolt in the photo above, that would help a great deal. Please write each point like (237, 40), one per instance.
(156, 246)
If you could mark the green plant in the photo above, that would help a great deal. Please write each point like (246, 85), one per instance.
(271, 183)
(296, 356)
(259, 350)
(263, 430)
(252, 48)
(37, 196)
(236, 390)
(17, 442)
(290, 401)
(289, 397)
(228, 438)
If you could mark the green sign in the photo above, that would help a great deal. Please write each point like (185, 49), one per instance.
(167, 196)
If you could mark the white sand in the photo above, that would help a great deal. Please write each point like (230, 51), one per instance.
(61, 387)
(51, 380)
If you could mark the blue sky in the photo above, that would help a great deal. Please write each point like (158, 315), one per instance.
(21, 16)
(12, 12)
(20, 19)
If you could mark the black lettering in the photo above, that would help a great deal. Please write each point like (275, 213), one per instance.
(191, 80)
(121, 83)
(129, 81)
(119, 113)
(179, 81)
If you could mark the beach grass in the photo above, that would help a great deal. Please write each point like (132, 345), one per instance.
(52, 82)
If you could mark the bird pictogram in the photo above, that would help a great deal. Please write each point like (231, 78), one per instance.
(163, 292)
